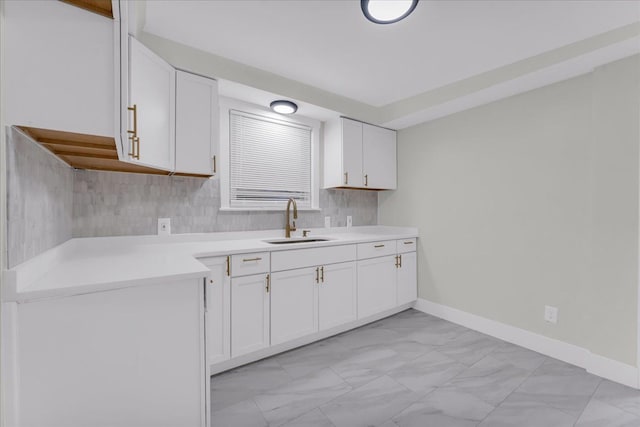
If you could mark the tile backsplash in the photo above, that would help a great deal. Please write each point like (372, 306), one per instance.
(114, 204)
(49, 203)
(39, 199)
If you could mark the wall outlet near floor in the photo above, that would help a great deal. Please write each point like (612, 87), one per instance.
(349, 221)
(551, 314)
(327, 222)
(164, 226)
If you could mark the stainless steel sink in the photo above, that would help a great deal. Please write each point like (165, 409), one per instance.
(296, 240)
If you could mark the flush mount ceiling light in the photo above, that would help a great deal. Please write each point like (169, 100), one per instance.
(387, 11)
(283, 107)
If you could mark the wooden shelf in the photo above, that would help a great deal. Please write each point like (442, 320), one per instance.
(83, 151)
(101, 7)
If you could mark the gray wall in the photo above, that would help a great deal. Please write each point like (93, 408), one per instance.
(532, 200)
(48, 203)
(39, 199)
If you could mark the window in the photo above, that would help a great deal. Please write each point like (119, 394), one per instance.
(270, 159)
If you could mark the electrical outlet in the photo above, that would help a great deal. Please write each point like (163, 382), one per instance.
(349, 221)
(551, 314)
(327, 222)
(164, 226)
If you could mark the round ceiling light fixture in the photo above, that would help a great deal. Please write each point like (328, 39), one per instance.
(283, 106)
(387, 11)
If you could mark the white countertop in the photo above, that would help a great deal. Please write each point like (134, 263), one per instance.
(87, 265)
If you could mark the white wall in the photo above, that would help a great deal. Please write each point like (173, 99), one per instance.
(532, 200)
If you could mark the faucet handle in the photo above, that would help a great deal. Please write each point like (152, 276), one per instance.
(305, 233)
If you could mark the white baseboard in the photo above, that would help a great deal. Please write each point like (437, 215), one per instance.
(573, 354)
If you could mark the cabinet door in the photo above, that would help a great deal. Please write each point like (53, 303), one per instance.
(249, 314)
(407, 278)
(58, 65)
(152, 89)
(352, 153)
(376, 285)
(294, 304)
(379, 157)
(218, 312)
(196, 124)
(337, 295)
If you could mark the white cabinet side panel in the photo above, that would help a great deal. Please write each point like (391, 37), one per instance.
(118, 358)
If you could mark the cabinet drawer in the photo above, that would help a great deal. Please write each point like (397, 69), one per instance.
(246, 264)
(300, 258)
(376, 249)
(406, 245)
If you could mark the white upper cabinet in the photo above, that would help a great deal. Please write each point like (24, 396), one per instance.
(59, 67)
(352, 153)
(378, 157)
(150, 133)
(359, 155)
(196, 124)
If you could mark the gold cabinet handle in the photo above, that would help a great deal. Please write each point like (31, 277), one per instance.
(132, 151)
(268, 283)
(366, 180)
(400, 261)
(134, 132)
(251, 259)
(396, 261)
(136, 139)
(214, 164)
(317, 274)
(322, 274)
(408, 242)
(346, 178)
(379, 246)
(228, 265)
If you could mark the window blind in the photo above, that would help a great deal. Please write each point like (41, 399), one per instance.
(270, 161)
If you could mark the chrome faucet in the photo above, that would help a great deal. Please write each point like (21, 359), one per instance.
(289, 228)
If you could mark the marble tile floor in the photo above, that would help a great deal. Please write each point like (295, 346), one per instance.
(415, 370)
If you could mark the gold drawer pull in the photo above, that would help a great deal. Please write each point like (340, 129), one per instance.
(252, 259)
(408, 243)
(366, 180)
(379, 246)
(346, 178)
(134, 132)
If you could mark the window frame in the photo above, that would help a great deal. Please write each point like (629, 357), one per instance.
(228, 104)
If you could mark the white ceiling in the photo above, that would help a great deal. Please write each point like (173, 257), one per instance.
(331, 46)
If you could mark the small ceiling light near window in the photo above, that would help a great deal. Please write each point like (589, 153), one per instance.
(284, 107)
(387, 11)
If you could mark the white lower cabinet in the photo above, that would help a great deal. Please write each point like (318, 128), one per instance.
(294, 304)
(376, 285)
(407, 278)
(288, 296)
(218, 313)
(249, 314)
(337, 295)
